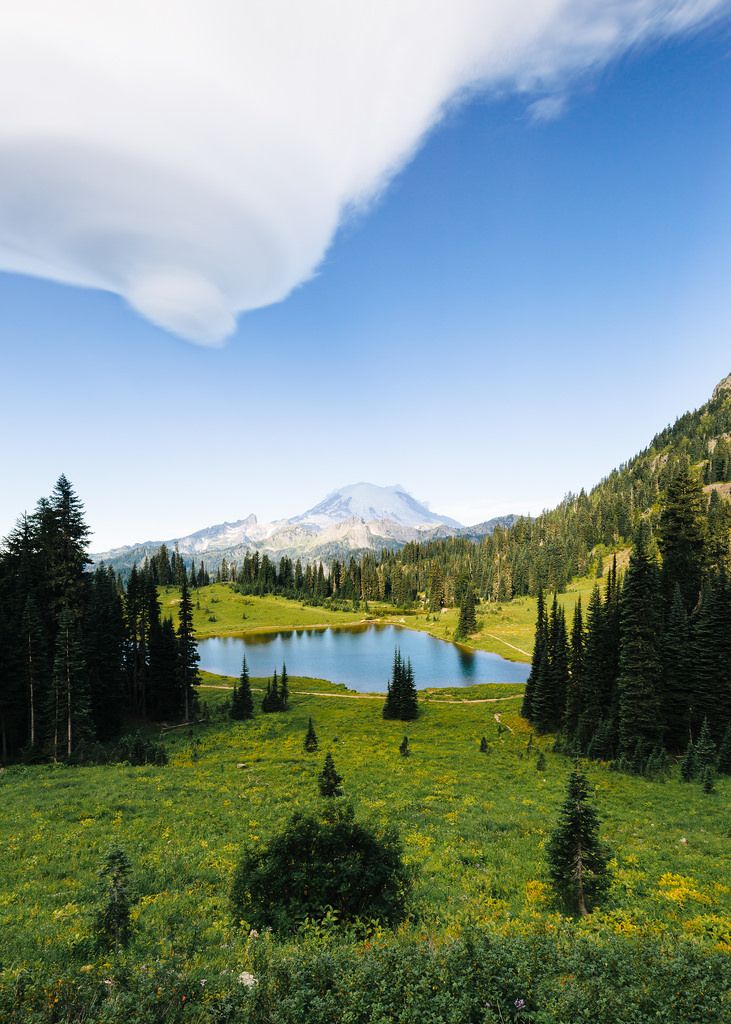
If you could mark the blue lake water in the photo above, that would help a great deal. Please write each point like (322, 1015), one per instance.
(360, 657)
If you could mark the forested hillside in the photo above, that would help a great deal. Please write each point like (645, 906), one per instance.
(533, 554)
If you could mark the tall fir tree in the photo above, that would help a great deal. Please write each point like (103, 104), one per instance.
(549, 696)
(681, 537)
(677, 676)
(577, 859)
(68, 707)
(540, 644)
(242, 701)
(188, 656)
(640, 679)
(467, 623)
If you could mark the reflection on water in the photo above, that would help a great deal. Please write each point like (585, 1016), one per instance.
(359, 656)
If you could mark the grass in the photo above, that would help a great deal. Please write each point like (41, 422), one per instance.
(473, 825)
(505, 628)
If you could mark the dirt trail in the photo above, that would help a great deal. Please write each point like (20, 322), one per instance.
(374, 696)
(505, 725)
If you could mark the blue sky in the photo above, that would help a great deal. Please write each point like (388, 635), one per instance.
(519, 312)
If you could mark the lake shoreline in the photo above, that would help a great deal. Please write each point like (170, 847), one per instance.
(242, 634)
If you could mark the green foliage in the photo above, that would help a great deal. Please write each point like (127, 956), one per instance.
(112, 922)
(404, 747)
(705, 750)
(317, 866)
(276, 696)
(724, 753)
(242, 701)
(577, 860)
(708, 779)
(310, 743)
(541, 762)
(484, 746)
(688, 764)
(328, 781)
(467, 623)
(401, 697)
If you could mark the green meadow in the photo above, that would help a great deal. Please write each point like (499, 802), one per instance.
(473, 827)
(504, 628)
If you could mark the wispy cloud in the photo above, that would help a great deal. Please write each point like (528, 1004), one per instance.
(197, 157)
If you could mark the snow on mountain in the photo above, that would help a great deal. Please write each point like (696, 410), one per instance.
(360, 517)
(370, 503)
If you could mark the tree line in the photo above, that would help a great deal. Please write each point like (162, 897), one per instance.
(80, 652)
(650, 662)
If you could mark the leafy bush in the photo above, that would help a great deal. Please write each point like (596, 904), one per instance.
(318, 864)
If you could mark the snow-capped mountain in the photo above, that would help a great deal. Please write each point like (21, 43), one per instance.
(357, 518)
(371, 503)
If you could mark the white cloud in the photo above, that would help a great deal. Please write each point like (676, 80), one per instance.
(547, 108)
(196, 156)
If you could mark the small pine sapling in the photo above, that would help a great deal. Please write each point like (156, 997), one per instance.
(404, 747)
(311, 738)
(541, 762)
(484, 748)
(329, 782)
(112, 923)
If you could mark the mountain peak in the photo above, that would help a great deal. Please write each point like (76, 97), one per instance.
(723, 385)
(369, 502)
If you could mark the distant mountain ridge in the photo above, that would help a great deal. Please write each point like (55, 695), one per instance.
(349, 521)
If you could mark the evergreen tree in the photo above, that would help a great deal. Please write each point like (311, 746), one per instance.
(188, 656)
(436, 590)
(711, 689)
(310, 743)
(575, 684)
(66, 543)
(681, 537)
(408, 705)
(708, 779)
(549, 695)
(577, 860)
(467, 623)
(540, 644)
(165, 695)
(687, 765)
(242, 701)
(284, 690)
(401, 695)
(640, 666)
(677, 675)
(404, 747)
(541, 762)
(705, 750)
(329, 782)
(113, 921)
(104, 636)
(34, 666)
(724, 753)
(484, 748)
(68, 709)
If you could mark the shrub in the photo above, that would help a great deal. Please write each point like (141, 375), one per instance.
(112, 921)
(316, 865)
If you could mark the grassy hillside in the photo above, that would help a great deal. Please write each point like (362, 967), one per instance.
(473, 826)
